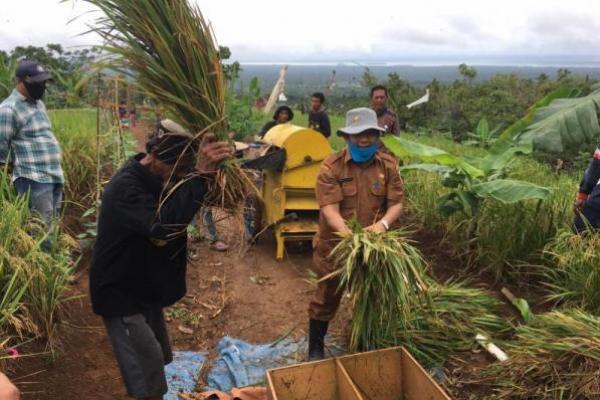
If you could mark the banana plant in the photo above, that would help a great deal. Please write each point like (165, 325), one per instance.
(470, 180)
(483, 136)
(560, 123)
(565, 125)
(73, 85)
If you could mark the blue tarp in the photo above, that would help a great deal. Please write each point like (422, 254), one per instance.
(238, 364)
(242, 364)
(183, 372)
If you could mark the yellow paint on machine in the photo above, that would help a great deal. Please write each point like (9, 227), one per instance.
(293, 189)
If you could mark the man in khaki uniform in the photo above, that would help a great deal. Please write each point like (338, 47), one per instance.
(386, 119)
(359, 182)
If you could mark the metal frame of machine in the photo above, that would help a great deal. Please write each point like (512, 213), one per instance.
(288, 194)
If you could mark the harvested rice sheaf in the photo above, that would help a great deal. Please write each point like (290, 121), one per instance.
(170, 52)
(395, 302)
(556, 356)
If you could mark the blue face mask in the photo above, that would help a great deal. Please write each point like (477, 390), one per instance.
(362, 154)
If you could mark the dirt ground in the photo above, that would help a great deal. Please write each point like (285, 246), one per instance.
(247, 295)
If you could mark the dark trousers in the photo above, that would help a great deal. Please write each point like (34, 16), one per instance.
(141, 345)
(590, 216)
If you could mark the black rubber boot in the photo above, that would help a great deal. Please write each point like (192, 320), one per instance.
(316, 339)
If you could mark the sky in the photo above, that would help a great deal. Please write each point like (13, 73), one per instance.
(319, 30)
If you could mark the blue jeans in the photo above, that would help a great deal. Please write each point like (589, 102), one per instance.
(209, 222)
(44, 201)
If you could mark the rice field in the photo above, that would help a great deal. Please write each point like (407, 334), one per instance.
(524, 244)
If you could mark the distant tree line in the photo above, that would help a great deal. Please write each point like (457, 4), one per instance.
(457, 107)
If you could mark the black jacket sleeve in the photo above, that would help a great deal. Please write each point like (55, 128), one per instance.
(136, 209)
(266, 127)
(326, 126)
(592, 174)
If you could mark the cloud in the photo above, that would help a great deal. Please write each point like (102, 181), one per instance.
(562, 32)
(320, 30)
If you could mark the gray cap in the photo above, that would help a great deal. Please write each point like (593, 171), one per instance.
(359, 120)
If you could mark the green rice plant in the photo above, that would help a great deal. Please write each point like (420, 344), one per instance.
(572, 272)
(422, 191)
(556, 356)
(169, 51)
(385, 276)
(32, 282)
(445, 327)
(75, 130)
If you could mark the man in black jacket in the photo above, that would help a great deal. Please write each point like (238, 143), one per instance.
(317, 116)
(139, 260)
(587, 201)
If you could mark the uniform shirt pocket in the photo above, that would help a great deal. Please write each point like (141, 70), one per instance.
(349, 203)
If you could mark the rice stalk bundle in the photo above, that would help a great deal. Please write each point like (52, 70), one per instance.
(169, 50)
(395, 302)
(386, 278)
(556, 356)
(436, 331)
(572, 275)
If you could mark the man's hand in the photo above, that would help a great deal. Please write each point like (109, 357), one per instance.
(579, 202)
(377, 227)
(8, 391)
(211, 153)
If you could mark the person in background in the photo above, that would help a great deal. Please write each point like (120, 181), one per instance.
(208, 221)
(133, 116)
(587, 201)
(282, 115)
(8, 391)
(317, 116)
(386, 119)
(28, 144)
(140, 257)
(361, 181)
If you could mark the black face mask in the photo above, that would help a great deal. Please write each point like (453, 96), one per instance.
(36, 90)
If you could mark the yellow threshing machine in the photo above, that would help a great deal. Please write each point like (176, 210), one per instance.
(288, 200)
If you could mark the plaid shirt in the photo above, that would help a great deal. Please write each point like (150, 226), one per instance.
(27, 141)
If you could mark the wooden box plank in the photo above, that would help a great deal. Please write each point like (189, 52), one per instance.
(418, 384)
(320, 380)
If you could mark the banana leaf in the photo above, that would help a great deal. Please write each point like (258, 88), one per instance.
(510, 190)
(430, 155)
(521, 124)
(564, 125)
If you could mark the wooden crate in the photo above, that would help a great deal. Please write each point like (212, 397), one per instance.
(391, 374)
(388, 374)
(319, 380)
